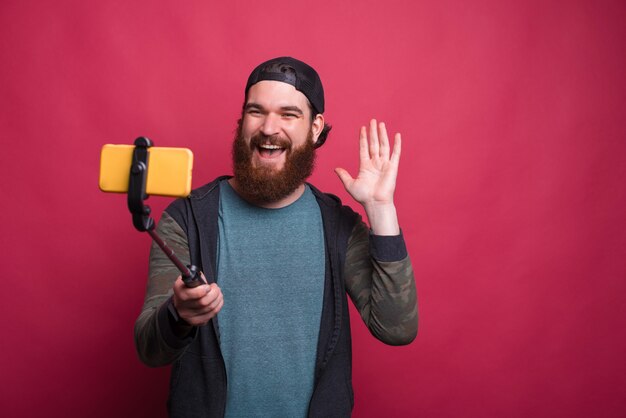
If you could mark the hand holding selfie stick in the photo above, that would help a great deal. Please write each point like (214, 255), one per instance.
(141, 213)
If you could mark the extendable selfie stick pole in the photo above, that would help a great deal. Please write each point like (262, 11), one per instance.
(141, 213)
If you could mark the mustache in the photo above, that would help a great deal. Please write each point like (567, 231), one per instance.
(260, 139)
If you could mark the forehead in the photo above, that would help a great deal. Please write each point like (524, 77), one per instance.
(276, 94)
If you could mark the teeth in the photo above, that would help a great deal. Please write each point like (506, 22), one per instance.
(268, 146)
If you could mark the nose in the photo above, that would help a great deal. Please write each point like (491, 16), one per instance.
(271, 125)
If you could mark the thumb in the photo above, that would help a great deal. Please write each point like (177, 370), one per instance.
(344, 176)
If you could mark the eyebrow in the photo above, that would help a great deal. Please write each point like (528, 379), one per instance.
(294, 109)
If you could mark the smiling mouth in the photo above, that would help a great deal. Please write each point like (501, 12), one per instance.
(269, 150)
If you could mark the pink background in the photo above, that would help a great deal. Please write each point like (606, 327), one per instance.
(511, 191)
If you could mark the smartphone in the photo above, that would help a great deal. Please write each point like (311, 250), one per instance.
(169, 170)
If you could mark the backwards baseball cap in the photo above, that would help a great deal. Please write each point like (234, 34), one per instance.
(291, 71)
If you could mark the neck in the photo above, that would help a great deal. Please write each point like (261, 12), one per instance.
(281, 203)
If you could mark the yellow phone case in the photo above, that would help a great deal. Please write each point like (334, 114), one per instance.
(169, 170)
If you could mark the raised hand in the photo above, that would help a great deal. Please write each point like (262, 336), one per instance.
(375, 183)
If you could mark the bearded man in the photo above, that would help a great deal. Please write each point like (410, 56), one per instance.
(269, 334)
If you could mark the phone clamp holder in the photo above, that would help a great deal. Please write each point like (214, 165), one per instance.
(141, 213)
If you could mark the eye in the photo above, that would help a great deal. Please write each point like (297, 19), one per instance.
(289, 115)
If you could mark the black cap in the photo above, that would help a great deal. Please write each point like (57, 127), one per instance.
(291, 71)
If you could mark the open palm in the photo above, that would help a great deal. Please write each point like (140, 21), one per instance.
(378, 168)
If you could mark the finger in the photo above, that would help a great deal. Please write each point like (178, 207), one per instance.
(218, 301)
(345, 177)
(201, 305)
(207, 316)
(195, 310)
(219, 307)
(384, 141)
(397, 148)
(198, 292)
(192, 294)
(206, 304)
(364, 153)
(212, 294)
(373, 139)
(184, 293)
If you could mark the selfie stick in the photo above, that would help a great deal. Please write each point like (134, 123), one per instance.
(141, 213)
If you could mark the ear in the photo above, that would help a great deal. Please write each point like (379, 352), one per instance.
(317, 126)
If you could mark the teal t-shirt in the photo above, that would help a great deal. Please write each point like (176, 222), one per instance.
(270, 267)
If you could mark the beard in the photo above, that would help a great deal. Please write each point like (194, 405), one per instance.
(265, 184)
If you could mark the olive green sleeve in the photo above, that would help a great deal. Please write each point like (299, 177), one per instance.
(155, 340)
(379, 279)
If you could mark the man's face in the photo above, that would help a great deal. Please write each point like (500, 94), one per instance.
(276, 110)
(273, 151)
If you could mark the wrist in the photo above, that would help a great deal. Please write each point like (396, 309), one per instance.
(180, 327)
(382, 218)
